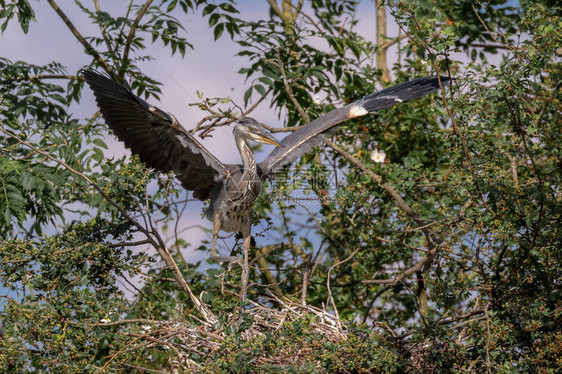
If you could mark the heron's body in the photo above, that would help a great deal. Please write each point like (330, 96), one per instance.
(162, 143)
(235, 200)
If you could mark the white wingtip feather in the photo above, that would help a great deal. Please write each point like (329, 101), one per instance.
(357, 111)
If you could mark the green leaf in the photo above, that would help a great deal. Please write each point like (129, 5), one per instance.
(213, 19)
(247, 95)
(260, 89)
(218, 30)
(100, 143)
(210, 8)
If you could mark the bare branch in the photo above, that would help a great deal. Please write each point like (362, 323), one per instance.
(121, 322)
(129, 244)
(55, 76)
(381, 41)
(389, 43)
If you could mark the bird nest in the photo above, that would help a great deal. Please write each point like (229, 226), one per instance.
(197, 343)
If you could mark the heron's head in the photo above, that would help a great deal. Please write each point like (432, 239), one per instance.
(249, 128)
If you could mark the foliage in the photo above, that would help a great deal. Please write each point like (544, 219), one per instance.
(443, 258)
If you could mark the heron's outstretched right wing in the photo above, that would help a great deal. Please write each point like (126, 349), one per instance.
(311, 135)
(157, 137)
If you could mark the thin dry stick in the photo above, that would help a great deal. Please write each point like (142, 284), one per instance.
(305, 280)
(330, 297)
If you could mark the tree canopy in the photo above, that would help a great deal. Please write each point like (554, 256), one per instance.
(425, 238)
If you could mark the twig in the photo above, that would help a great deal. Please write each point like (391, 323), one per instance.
(123, 322)
(305, 280)
(258, 102)
(129, 244)
(372, 302)
(508, 47)
(390, 43)
(132, 31)
(143, 369)
(102, 29)
(287, 86)
(330, 297)
(55, 76)
(80, 38)
(391, 191)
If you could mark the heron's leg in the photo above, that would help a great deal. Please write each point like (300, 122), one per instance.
(247, 235)
(216, 228)
(215, 257)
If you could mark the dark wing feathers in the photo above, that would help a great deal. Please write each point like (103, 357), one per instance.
(302, 141)
(401, 92)
(305, 139)
(159, 140)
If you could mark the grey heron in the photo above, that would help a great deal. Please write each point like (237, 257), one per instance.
(163, 144)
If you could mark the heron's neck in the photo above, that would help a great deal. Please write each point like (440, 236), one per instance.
(247, 157)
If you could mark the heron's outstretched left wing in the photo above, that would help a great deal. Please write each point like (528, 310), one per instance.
(157, 137)
(303, 140)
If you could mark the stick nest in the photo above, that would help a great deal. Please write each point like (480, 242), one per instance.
(205, 341)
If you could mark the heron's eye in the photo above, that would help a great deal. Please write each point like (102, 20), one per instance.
(252, 129)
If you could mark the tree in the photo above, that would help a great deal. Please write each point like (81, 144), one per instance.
(443, 257)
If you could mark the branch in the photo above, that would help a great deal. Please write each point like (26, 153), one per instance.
(129, 244)
(281, 129)
(143, 369)
(287, 86)
(264, 267)
(508, 47)
(81, 39)
(275, 8)
(391, 42)
(330, 297)
(55, 76)
(102, 29)
(286, 13)
(423, 264)
(377, 178)
(381, 42)
(119, 322)
(258, 102)
(132, 31)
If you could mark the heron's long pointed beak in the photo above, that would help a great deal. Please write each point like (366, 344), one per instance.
(268, 138)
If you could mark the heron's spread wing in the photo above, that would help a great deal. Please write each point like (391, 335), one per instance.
(159, 140)
(305, 139)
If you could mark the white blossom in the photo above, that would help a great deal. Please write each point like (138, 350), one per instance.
(378, 156)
